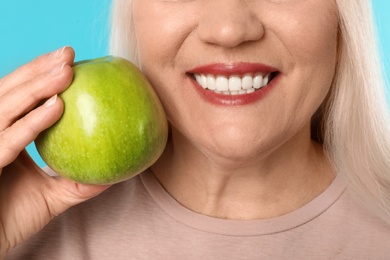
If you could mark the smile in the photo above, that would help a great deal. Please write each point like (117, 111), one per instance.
(234, 85)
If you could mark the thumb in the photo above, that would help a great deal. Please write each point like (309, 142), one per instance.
(64, 193)
(30, 198)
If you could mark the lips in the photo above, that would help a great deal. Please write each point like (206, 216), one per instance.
(234, 84)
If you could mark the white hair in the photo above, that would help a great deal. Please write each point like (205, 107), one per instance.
(354, 122)
(123, 41)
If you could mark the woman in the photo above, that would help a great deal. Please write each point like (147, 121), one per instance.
(279, 142)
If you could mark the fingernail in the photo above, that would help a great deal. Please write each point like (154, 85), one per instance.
(56, 54)
(57, 69)
(51, 101)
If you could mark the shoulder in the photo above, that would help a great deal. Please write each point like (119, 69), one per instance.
(352, 214)
(355, 229)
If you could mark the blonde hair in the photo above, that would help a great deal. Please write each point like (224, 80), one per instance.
(356, 122)
(123, 41)
(354, 117)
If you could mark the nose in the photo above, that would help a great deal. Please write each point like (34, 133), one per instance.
(229, 23)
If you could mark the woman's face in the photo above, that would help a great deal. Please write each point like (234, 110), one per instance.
(238, 77)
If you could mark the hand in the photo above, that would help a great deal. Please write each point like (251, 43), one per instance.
(29, 198)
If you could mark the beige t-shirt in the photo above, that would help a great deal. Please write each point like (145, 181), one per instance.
(138, 219)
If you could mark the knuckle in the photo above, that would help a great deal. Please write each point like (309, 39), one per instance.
(7, 152)
(32, 68)
(30, 126)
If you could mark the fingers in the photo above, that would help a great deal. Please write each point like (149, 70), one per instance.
(19, 100)
(38, 66)
(30, 199)
(23, 89)
(20, 93)
(16, 137)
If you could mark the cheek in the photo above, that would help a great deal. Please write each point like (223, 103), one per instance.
(310, 37)
(160, 32)
(319, 59)
(317, 55)
(310, 41)
(160, 37)
(155, 44)
(308, 29)
(150, 41)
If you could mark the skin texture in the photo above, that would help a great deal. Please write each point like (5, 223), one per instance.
(239, 162)
(239, 157)
(29, 198)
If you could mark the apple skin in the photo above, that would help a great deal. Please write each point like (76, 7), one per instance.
(113, 126)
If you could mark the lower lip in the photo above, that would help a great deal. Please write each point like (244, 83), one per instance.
(235, 100)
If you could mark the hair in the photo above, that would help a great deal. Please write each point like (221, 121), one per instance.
(355, 126)
(356, 116)
(123, 41)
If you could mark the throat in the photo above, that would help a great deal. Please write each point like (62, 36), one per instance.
(244, 200)
(261, 190)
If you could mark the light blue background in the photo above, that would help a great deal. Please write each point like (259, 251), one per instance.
(29, 28)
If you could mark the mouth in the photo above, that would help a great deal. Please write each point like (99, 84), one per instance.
(235, 84)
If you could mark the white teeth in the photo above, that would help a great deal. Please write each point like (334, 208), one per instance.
(203, 81)
(251, 90)
(233, 85)
(247, 82)
(258, 81)
(265, 80)
(210, 82)
(198, 78)
(222, 83)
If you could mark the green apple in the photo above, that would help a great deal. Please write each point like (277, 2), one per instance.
(113, 126)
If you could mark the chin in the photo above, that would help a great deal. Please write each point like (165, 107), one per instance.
(237, 149)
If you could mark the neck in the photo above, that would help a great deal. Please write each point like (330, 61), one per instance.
(261, 187)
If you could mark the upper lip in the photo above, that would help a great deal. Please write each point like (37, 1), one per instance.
(229, 69)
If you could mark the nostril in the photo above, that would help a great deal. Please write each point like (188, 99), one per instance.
(230, 27)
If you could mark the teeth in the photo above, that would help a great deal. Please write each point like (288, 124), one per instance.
(258, 81)
(210, 82)
(265, 80)
(247, 82)
(221, 83)
(233, 85)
